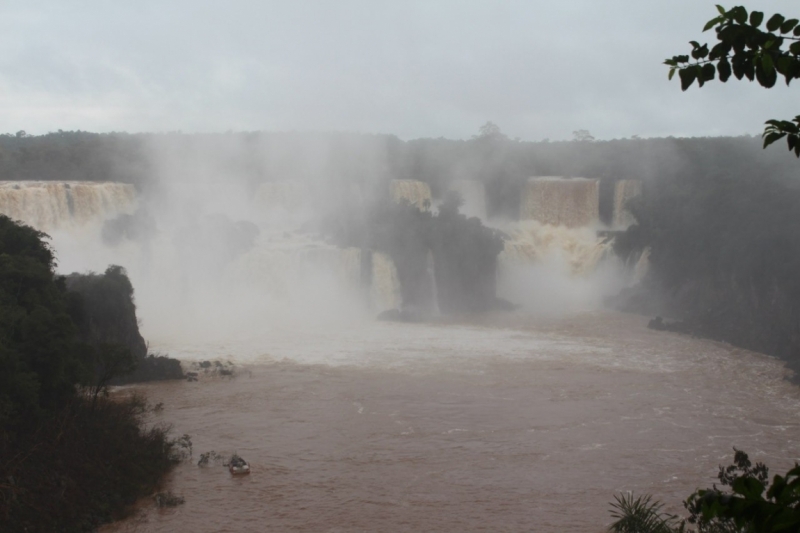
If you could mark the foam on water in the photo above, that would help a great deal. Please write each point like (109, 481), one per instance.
(497, 425)
(450, 347)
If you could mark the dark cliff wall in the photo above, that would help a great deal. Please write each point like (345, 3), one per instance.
(105, 314)
(725, 258)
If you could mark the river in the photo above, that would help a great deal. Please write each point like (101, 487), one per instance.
(509, 423)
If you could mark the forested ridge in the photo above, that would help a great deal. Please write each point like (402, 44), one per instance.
(724, 262)
(369, 160)
(133, 158)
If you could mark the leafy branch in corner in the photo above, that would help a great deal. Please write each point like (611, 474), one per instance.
(753, 503)
(745, 50)
(749, 504)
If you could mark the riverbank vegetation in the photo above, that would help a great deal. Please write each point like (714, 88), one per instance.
(70, 457)
(734, 279)
(746, 501)
(725, 252)
(726, 248)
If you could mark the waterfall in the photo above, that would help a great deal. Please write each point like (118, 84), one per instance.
(474, 196)
(431, 272)
(625, 190)
(417, 193)
(50, 205)
(572, 202)
(642, 266)
(282, 261)
(556, 269)
(385, 289)
(531, 242)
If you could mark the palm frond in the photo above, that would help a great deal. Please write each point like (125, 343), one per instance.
(641, 515)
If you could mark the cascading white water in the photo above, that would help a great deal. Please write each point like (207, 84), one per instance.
(553, 260)
(51, 205)
(385, 286)
(554, 269)
(192, 285)
(642, 266)
(417, 193)
(530, 242)
(282, 260)
(570, 202)
(625, 190)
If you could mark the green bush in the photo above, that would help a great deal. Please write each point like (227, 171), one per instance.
(68, 460)
(747, 503)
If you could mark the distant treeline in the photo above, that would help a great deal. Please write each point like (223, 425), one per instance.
(75, 156)
(370, 160)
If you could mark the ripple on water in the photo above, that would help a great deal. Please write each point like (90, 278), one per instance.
(503, 426)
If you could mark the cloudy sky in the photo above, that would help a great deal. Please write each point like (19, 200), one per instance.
(427, 68)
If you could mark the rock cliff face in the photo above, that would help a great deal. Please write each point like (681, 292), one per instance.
(106, 314)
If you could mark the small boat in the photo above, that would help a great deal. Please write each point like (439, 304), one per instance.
(238, 466)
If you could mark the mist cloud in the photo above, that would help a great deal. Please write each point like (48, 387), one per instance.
(415, 69)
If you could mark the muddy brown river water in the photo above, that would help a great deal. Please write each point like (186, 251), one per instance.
(513, 424)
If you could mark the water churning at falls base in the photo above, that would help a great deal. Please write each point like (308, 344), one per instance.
(502, 424)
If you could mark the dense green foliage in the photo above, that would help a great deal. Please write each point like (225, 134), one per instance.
(107, 324)
(746, 50)
(79, 156)
(725, 248)
(108, 313)
(748, 506)
(744, 502)
(82, 465)
(465, 254)
(68, 460)
(725, 252)
(640, 515)
(40, 357)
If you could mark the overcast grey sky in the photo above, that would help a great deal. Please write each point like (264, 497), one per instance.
(539, 69)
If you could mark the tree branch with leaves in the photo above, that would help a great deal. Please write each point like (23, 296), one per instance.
(746, 50)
